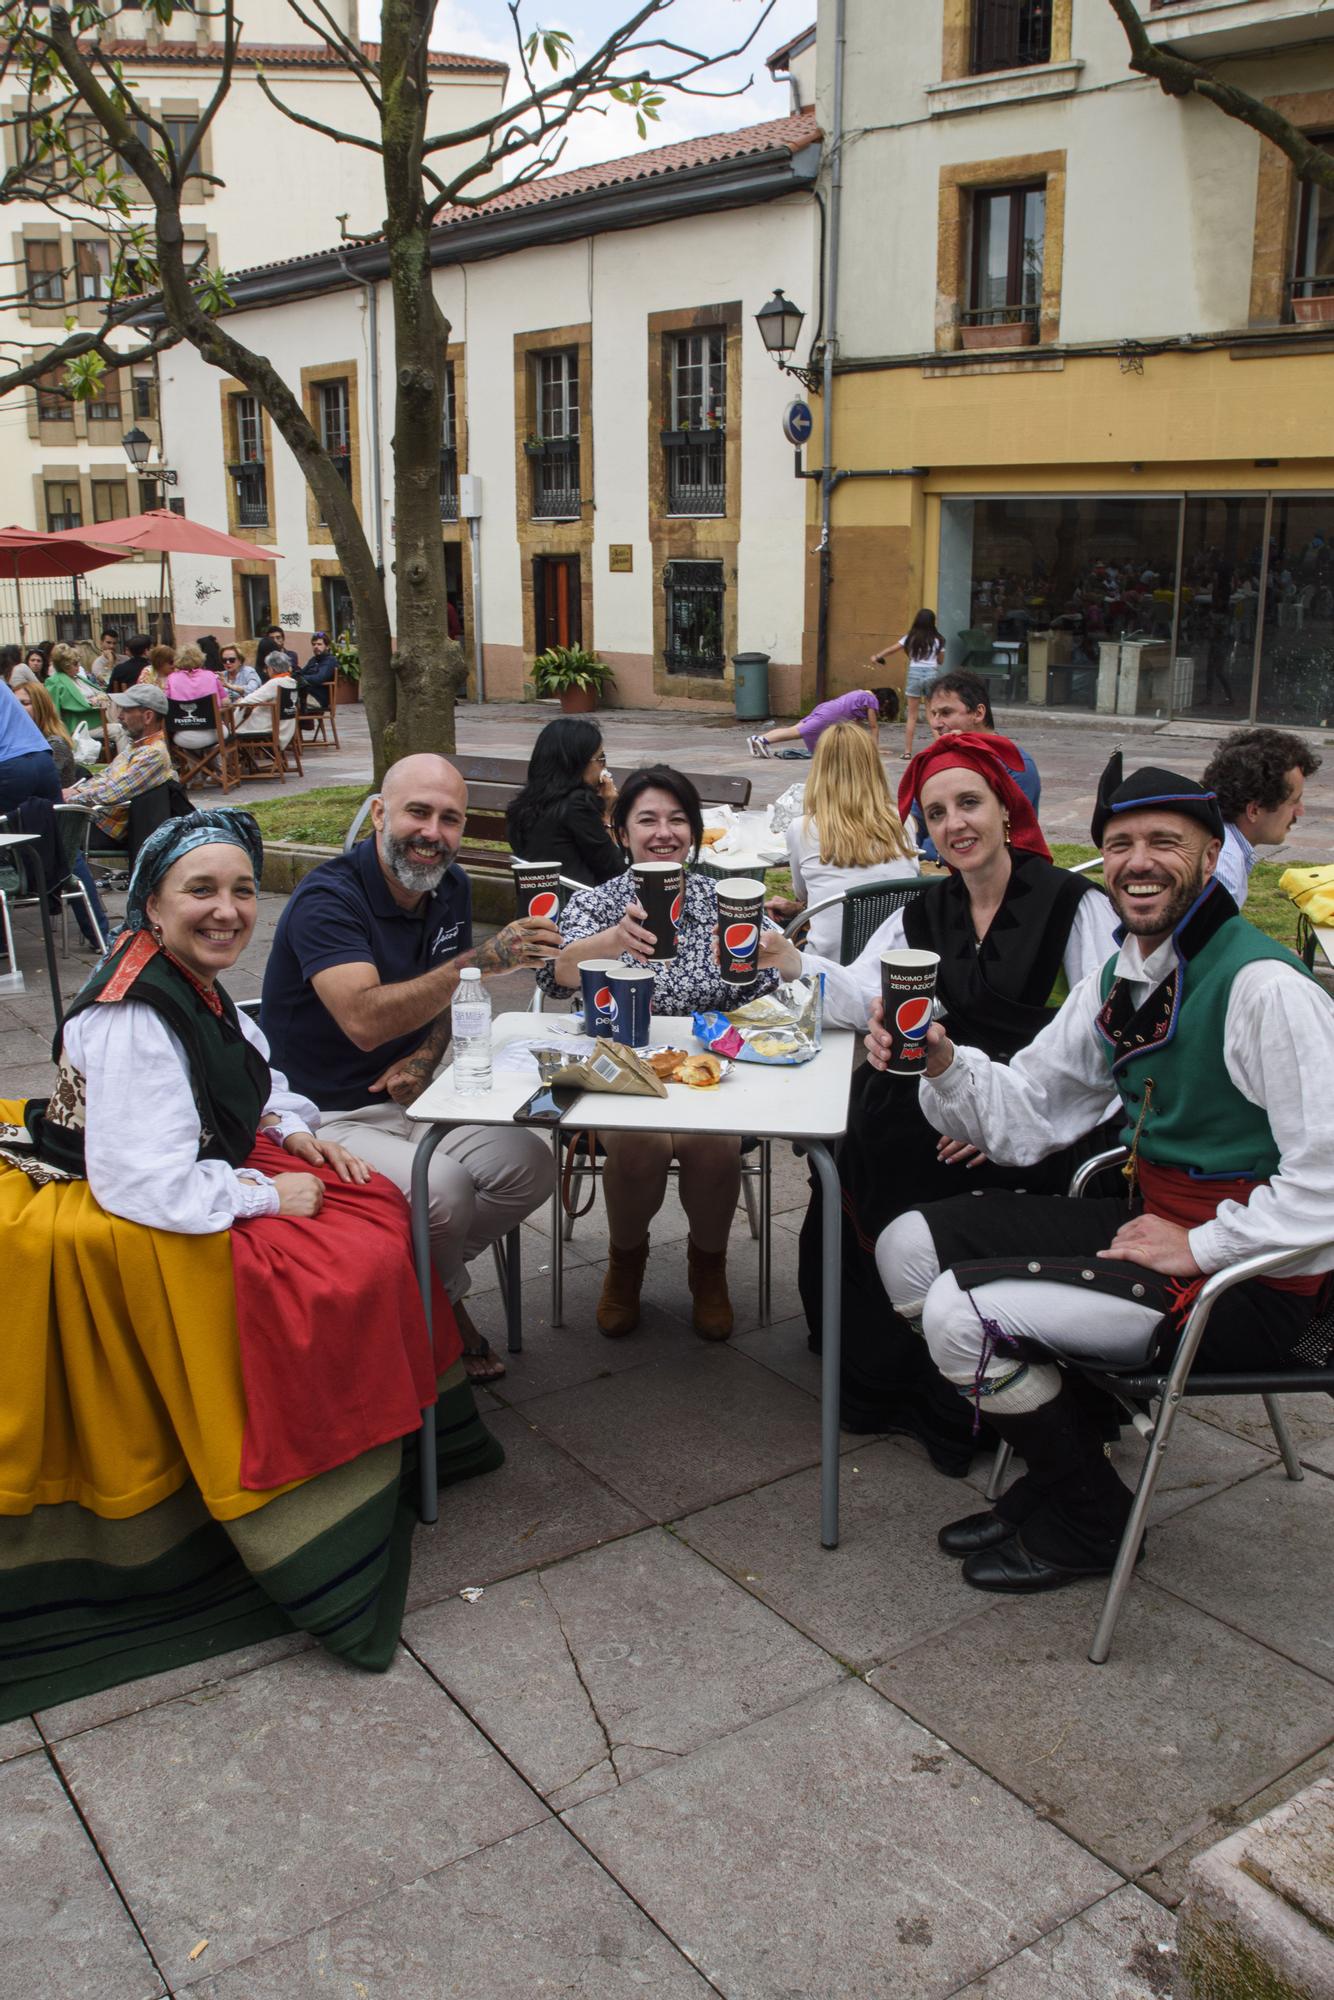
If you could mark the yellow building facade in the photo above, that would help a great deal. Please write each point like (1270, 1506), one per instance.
(1083, 361)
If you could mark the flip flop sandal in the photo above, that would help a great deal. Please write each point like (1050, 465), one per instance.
(480, 1364)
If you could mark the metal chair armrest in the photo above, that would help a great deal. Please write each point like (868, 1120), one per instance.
(1089, 1169)
(803, 917)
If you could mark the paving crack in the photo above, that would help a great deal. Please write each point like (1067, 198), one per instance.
(610, 1748)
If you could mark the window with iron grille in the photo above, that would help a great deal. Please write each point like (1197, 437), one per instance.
(54, 405)
(248, 470)
(145, 396)
(111, 500)
(554, 453)
(694, 592)
(1010, 34)
(92, 268)
(64, 509)
(449, 449)
(46, 275)
(105, 407)
(1313, 253)
(150, 494)
(1009, 226)
(697, 411)
(334, 409)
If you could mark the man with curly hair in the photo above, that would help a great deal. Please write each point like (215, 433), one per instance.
(1257, 776)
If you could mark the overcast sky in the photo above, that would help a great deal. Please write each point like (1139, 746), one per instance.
(483, 27)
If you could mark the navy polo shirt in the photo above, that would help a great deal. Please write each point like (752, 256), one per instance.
(343, 914)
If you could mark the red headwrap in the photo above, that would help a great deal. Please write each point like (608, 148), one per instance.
(994, 758)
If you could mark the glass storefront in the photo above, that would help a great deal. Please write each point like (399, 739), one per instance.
(1205, 605)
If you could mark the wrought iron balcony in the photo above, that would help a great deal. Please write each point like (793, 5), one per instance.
(252, 493)
(1010, 34)
(449, 483)
(696, 472)
(555, 465)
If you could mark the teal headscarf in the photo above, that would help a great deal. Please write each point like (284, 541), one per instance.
(175, 837)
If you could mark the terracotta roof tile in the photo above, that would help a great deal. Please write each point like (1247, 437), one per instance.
(281, 55)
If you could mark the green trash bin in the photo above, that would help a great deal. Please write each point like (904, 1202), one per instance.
(752, 686)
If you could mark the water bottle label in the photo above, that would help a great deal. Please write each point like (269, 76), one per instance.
(470, 1021)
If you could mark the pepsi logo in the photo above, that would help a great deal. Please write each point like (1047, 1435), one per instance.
(675, 911)
(605, 1002)
(545, 904)
(912, 1017)
(741, 940)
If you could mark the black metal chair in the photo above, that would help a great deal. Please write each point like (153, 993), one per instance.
(1139, 1389)
(865, 908)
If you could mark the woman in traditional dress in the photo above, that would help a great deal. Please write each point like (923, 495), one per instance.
(208, 1305)
(1013, 934)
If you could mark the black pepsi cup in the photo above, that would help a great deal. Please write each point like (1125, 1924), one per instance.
(601, 1013)
(537, 891)
(907, 990)
(660, 887)
(740, 921)
(632, 999)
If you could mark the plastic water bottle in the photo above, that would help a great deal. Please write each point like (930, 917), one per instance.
(470, 1027)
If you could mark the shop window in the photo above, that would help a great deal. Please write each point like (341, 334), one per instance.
(554, 451)
(92, 268)
(45, 273)
(64, 509)
(695, 440)
(111, 500)
(694, 593)
(54, 404)
(1311, 287)
(256, 605)
(248, 470)
(1010, 34)
(449, 449)
(1005, 280)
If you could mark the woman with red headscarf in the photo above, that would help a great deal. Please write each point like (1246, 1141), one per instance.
(1013, 934)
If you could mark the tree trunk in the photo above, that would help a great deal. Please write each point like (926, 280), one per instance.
(426, 664)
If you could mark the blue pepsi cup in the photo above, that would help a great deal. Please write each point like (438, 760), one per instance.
(740, 921)
(907, 993)
(601, 1013)
(632, 996)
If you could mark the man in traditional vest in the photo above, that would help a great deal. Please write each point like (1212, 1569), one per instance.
(1220, 1046)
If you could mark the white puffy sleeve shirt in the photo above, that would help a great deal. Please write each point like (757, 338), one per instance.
(141, 1143)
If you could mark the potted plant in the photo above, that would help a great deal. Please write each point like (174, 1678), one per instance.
(577, 678)
(1000, 333)
(534, 445)
(349, 666)
(678, 437)
(1317, 310)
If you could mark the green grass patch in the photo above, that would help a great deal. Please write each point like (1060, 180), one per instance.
(1267, 907)
(321, 817)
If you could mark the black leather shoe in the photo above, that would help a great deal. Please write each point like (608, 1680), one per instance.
(975, 1533)
(1009, 1566)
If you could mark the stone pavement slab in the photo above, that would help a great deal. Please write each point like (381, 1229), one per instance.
(17, 1739)
(562, 1357)
(90, 1711)
(587, 1674)
(836, 1848)
(1202, 1461)
(1310, 1419)
(883, 1588)
(63, 1928)
(1129, 1757)
(533, 1915)
(1121, 1949)
(1167, 1881)
(1261, 1558)
(680, 1433)
(259, 1808)
(538, 1507)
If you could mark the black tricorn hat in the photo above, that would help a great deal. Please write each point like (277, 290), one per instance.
(1148, 787)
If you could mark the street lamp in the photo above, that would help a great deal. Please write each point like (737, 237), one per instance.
(137, 445)
(780, 329)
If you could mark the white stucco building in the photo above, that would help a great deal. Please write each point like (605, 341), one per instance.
(610, 402)
(282, 189)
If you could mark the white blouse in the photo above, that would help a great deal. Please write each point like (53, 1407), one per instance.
(141, 1141)
(813, 880)
(850, 989)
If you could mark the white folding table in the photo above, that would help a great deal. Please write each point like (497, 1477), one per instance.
(807, 1104)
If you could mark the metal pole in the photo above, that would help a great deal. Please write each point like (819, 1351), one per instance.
(831, 342)
(475, 541)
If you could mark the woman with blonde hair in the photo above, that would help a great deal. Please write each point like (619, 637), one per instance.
(849, 835)
(161, 662)
(75, 700)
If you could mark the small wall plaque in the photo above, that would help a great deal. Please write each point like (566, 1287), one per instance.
(621, 555)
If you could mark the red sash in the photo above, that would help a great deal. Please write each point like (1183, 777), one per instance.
(1180, 1197)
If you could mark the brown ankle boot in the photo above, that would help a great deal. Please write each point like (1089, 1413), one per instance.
(707, 1272)
(618, 1307)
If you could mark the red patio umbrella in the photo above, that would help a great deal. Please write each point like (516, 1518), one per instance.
(28, 552)
(168, 534)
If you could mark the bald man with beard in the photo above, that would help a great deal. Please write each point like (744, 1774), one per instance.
(365, 962)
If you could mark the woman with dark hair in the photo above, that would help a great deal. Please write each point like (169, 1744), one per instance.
(1013, 934)
(560, 815)
(37, 659)
(658, 817)
(9, 659)
(925, 650)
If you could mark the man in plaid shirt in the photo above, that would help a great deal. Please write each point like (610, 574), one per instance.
(140, 711)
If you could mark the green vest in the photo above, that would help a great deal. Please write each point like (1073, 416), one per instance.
(1197, 1118)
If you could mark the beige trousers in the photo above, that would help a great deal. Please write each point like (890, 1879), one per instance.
(484, 1179)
